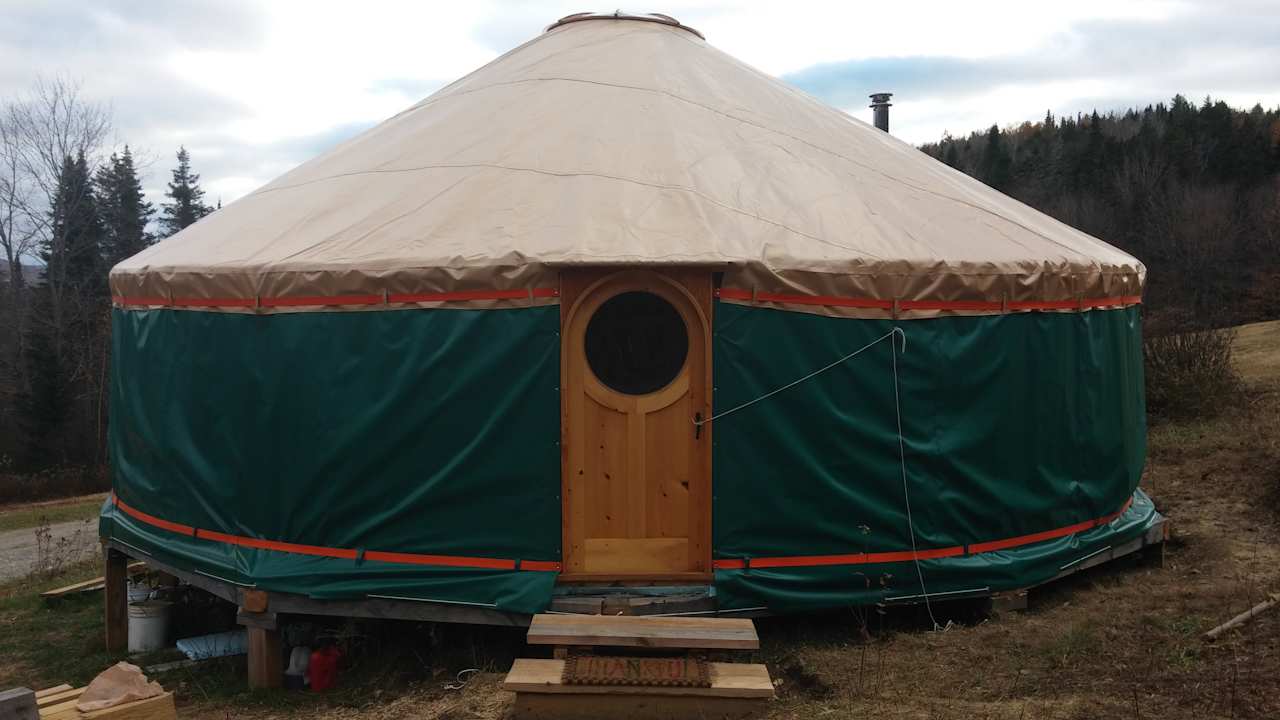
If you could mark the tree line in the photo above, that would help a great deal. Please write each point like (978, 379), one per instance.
(70, 208)
(1192, 191)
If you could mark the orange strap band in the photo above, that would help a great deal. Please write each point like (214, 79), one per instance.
(335, 300)
(343, 553)
(958, 305)
(908, 556)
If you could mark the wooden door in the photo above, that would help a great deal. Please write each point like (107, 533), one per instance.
(635, 367)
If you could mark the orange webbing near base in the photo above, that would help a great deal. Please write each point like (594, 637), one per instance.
(342, 553)
(909, 556)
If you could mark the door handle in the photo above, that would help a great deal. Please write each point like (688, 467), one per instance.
(697, 425)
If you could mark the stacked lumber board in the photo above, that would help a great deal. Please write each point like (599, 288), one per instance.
(735, 690)
(97, 583)
(59, 703)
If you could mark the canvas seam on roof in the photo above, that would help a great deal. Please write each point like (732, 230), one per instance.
(760, 126)
(572, 174)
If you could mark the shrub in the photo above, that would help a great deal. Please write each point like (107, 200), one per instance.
(53, 482)
(1189, 372)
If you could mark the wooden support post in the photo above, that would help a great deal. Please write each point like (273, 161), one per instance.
(116, 599)
(266, 660)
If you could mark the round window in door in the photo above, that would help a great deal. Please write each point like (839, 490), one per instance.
(636, 343)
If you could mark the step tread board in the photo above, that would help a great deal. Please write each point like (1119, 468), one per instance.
(58, 696)
(736, 680)
(644, 631)
(53, 690)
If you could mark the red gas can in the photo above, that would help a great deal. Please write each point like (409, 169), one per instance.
(323, 670)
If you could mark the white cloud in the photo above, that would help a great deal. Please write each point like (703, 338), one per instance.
(255, 88)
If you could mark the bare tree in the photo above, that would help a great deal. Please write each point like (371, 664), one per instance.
(19, 225)
(39, 132)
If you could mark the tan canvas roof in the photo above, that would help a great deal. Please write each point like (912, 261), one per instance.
(611, 141)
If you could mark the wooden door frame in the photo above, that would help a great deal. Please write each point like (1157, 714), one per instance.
(580, 288)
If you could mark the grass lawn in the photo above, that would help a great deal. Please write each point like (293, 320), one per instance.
(29, 515)
(42, 646)
(1122, 640)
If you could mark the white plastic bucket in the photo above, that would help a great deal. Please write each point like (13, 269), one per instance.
(139, 591)
(148, 625)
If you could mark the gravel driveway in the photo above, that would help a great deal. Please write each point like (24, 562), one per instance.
(69, 542)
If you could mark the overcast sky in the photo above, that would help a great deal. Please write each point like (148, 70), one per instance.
(254, 88)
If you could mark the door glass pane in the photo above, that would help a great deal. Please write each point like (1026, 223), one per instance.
(636, 343)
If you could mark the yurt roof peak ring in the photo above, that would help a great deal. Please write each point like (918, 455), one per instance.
(620, 15)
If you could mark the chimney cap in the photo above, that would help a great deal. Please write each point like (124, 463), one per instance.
(881, 98)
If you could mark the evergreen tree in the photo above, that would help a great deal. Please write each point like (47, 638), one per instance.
(125, 211)
(45, 403)
(72, 252)
(996, 169)
(64, 340)
(186, 198)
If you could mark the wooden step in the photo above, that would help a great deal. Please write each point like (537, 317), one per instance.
(738, 690)
(735, 680)
(644, 631)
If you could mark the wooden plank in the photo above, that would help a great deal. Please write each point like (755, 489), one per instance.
(53, 698)
(133, 568)
(160, 707)
(52, 691)
(699, 282)
(566, 706)
(642, 631)
(732, 680)
(633, 555)
(213, 586)
(60, 708)
(266, 661)
(116, 600)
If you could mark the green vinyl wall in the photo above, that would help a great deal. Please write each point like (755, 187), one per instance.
(1011, 424)
(429, 432)
(436, 432)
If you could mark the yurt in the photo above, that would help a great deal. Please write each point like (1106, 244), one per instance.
(619, 313)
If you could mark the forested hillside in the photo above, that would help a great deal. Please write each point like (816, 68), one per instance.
(1193, 192)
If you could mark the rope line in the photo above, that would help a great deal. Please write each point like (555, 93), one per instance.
(906, 494)
(815, 373)
(902, 451)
